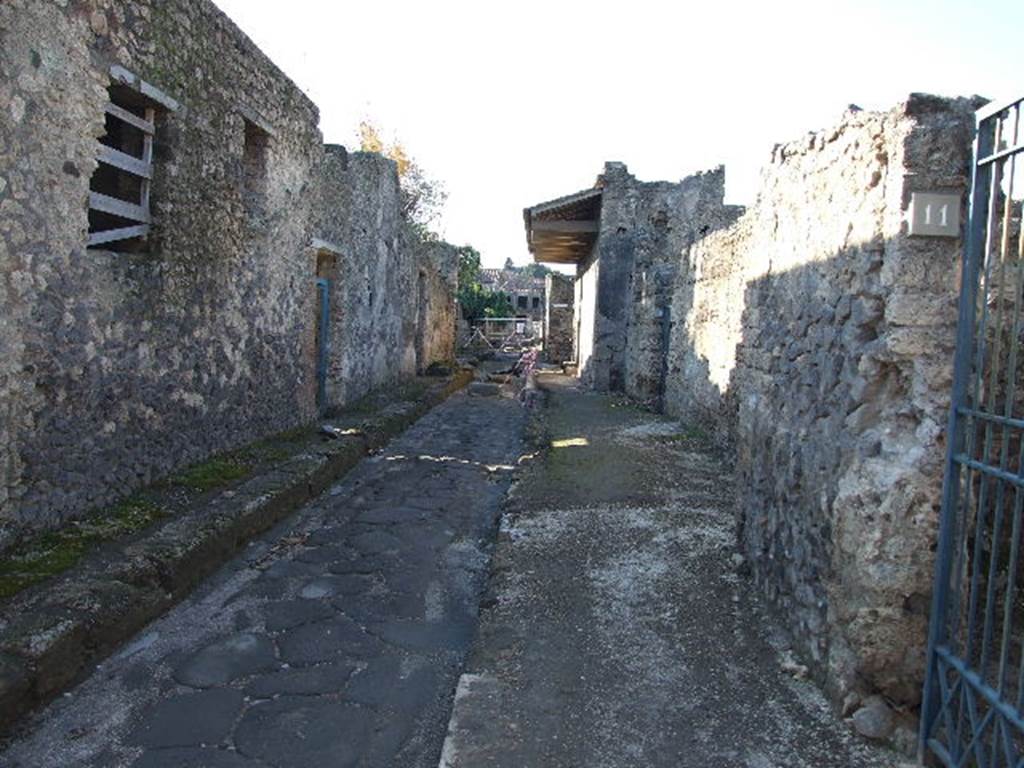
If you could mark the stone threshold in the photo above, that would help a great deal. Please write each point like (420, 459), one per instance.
(54, 632)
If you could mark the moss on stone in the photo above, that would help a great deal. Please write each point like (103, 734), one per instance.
(409, 390)
(216, 472)
(54, 552)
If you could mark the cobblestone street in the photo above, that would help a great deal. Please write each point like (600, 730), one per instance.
(335, 639)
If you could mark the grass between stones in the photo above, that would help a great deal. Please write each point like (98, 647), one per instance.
(51, 553)
(48, 554)
(56, 551)
(213, 473)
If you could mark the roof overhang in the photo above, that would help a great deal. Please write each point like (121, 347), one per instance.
(564, 230)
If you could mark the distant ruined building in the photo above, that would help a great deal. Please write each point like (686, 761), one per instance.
(525, 292)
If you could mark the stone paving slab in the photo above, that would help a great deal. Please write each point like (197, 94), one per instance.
(334, 639)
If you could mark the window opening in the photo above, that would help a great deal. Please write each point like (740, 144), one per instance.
(254, 164)
(119, 210)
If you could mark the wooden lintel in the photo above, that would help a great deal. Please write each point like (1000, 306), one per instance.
(256, 119)
(319, 244)
(563, 225)
(125, 162)
(117, 207)
(150, 91)
(123, 233)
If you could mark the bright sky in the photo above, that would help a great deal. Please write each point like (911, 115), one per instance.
(511, 104)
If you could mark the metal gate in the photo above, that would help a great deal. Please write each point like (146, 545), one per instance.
(974, 689)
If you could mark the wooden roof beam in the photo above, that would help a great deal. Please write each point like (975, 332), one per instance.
(562, 225)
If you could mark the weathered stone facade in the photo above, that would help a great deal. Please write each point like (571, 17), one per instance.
(558, 317)
(643, 226)
(391, 304)
(111, 358)
(438, 314)
(815, 337)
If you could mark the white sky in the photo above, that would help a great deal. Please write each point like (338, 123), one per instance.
(513, 103)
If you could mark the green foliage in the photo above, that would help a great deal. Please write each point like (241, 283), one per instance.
(477, 301)
(422, 196)
(469, 265)
(535, 270)
(212, 474)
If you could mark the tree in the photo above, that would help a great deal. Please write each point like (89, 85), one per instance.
(423, 197)
(469, 265)
(533, 269)
(475, 300)
(536, 270)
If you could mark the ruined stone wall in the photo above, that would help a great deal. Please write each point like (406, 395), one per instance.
(668, 218)
(373, 290)
(111, 360)
(558, 318)
(643, 227)
(436, 299)
(816, 337)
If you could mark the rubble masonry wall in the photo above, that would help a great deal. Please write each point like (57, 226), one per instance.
(116, 368)
(814, 337)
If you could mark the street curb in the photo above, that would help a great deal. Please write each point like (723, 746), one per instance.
(52, 634)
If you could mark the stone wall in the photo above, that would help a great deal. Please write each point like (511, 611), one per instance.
(373, 285)
(815, 336)
(437, 288)
(643, 227)
(672, 217)
(111, 359)
(558, 318)
(119, 366)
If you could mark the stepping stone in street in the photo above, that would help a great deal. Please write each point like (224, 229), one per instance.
(376, 542)
(189, 720)
(390, 515)
(364, 564)
(384, 683)
(226, 660)
(427, 637)
(287, 568)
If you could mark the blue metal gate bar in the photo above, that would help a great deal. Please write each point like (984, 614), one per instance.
(971, 712)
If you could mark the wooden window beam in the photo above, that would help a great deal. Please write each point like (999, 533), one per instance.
(124, 233)
(146, 126)
(117, 207)
(125, 162)
(150, 91)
